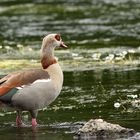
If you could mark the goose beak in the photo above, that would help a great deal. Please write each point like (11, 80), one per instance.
(62, 45)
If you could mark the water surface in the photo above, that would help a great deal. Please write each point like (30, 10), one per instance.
(85, 95)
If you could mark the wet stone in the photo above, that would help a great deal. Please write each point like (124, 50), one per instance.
(98, 128)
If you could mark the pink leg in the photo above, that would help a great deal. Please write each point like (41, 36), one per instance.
(34, 122)
(18, 121)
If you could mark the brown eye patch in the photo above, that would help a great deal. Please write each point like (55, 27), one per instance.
(57, 37)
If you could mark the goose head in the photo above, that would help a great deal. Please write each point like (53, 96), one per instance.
(49, 43)
(53, 41)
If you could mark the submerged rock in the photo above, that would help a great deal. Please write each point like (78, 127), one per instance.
(100, 129)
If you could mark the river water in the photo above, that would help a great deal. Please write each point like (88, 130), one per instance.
(101, 66)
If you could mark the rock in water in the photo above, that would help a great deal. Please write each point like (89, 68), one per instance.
(100, 129)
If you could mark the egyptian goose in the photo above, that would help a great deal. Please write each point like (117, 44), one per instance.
(34, 89)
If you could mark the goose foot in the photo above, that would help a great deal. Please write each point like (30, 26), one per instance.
(18, 121)
(34, 122)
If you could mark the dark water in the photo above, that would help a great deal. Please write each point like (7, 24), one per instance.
(91, 86)
(85, 95)
(83, 23)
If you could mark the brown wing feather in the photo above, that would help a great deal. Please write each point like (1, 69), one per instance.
(21, 78)
(2, 80)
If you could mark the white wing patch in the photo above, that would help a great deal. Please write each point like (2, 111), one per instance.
(37, 81)
(42, 80)
(21, 87)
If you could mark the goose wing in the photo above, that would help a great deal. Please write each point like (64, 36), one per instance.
(21, 78)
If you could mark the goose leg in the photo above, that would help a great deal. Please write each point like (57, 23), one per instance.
(18, 119)
(34, 115)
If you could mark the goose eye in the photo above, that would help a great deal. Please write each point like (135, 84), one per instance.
(57, 37)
